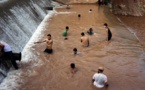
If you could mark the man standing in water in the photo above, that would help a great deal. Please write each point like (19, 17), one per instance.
(99, 79)
(85, 40)
(8, 53)
(109, 34)
(49, 42)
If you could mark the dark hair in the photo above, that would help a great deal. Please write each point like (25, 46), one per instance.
(72, 65)
(67, 27)
(75, 49)
(49, 35)
(82, 33)
(91, 29)
(90, 9)
(100, 71)
(105, 24)
(79, 15)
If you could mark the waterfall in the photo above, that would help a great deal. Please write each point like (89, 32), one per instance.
(18, 21)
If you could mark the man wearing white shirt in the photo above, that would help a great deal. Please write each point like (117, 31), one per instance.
(99, 79)
(8, 53)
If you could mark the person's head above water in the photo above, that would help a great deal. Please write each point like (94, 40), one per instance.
(83, 34)
(75, 50)
(105, 25)
(49, 36)
(90, 9)
(79, 15)
(72, 65)
(100, 70)
(90, 29)
(67, 28)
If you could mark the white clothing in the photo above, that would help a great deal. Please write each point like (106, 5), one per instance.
(100, 80)
(7, 48)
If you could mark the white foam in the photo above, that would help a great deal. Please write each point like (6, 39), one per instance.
(65, 12)
(15, 77)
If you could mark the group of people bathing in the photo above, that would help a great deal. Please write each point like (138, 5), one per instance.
(99, 79)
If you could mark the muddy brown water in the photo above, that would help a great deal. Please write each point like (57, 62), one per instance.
(123, 57)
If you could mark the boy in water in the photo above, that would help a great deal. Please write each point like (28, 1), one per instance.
(109, 34)
(90, 31)
(73, 68)
(65, 32)
(75, 51)
(49, 43)
(79, 16)
(84, 40)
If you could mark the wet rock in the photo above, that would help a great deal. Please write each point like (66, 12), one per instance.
(122, 7)
(129, 7)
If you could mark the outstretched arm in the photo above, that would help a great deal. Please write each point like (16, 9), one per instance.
(40, 41)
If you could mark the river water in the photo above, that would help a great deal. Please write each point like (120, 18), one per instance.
(123, 57)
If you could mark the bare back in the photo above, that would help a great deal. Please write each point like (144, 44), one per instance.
(85, 41)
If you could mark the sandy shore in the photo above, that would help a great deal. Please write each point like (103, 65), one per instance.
(122, 58)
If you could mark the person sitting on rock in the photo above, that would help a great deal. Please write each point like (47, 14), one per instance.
(73, 68)
(79, 16)
(6, 49)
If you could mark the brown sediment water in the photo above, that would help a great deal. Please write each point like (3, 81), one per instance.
(122, 57)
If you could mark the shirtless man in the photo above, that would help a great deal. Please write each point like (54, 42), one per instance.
(84, 40)
(108, 32)
(49, 42)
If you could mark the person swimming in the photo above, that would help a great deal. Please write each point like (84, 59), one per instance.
(49, 43)
(65, 32)
(79, 16)
(73, 68)
(75, 51)
(85, 40)
(90, 31)
(90, 10)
